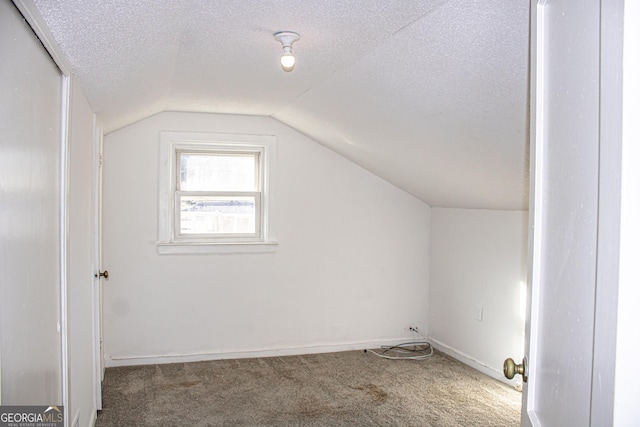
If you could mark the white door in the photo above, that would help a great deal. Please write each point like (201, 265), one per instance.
(97, 266)
(566, 130)
(31, 218)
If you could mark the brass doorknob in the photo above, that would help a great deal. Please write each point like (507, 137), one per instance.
(511, 369)
(104, 274)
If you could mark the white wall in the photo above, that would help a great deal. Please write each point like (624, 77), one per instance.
(351, 268)
(80, 282)
(478, 259)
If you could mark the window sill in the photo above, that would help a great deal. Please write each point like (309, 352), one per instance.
(216, 248)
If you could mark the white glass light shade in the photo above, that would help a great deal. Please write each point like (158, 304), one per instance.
(288, 61)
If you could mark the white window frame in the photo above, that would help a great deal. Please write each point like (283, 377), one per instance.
(170, 241)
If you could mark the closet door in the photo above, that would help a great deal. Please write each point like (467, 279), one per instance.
(31, 258)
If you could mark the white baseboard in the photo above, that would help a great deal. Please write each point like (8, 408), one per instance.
(470, 361)
(114, 361)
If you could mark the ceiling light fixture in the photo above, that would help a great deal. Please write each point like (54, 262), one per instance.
(287, 38)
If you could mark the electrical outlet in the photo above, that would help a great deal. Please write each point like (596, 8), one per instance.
(479, 313)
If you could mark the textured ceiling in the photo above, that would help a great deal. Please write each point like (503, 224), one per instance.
(430, 95)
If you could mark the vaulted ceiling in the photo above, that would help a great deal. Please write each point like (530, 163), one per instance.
(431, 95)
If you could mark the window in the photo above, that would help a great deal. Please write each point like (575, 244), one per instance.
(214, 193)
(218, 194)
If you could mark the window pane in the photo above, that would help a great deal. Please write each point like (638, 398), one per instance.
(218, 172)
(217, 215)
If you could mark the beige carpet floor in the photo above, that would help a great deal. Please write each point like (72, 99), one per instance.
(335, 389)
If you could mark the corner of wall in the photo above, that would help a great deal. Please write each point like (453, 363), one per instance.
(478, 271)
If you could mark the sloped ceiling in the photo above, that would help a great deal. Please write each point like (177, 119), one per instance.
(430, 95)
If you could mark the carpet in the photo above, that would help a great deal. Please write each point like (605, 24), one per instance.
(332, 389)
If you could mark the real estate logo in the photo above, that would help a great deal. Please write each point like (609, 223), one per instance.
(31, 416)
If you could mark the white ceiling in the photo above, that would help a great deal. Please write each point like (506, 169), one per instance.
(430, 95)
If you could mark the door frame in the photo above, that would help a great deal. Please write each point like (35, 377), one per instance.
(626, 408)
(609, 213)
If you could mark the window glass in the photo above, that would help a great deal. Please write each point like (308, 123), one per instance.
(218, 172)
(217, 215)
